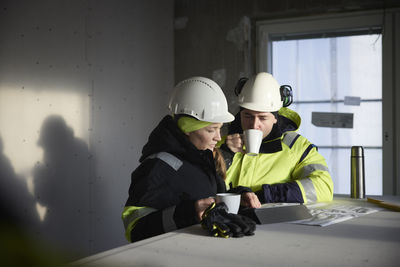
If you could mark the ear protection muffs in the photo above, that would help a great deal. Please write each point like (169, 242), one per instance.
(286, 95)
(239, 85)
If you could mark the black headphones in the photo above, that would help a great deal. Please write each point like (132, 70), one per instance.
(286, 95)
(239, 85)
(285, 90)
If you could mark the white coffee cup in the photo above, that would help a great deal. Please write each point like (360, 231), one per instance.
(231, 200)
(252, 141)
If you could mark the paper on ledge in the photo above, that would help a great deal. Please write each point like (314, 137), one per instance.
(333, 213)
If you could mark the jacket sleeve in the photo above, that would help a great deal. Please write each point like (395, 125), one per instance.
(152, 207)
(312, 174)
(310, 180)
(284, 192)
(145, 222)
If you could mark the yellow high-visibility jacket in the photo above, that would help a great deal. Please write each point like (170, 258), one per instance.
(288, 168)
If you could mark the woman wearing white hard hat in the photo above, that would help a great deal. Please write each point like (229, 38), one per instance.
(177, 174)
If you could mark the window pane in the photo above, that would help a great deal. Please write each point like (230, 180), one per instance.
(325, 71)
(299, 62)
(360, 66)
(367, 119)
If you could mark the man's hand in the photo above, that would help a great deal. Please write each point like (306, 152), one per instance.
(201, 205)
(250, 200)
(234, 142)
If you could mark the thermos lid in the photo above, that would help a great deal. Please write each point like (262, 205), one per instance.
(357, 151)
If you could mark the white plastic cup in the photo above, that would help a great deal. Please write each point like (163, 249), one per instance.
(231, 200)
(252, 141)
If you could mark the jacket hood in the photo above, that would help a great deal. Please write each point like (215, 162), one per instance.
(167, 137)
(291, 118)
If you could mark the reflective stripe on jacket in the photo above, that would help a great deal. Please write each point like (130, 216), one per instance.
(294, 159)
(131, 215)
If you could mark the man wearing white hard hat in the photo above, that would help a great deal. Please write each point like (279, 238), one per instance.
(288, 168)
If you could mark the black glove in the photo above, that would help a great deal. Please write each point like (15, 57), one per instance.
(220, 223)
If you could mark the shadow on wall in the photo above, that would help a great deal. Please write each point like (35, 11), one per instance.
(19, 222)
(62, 189)
(14, 194)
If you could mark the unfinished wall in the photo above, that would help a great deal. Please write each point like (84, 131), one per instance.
(82, 84)
(216, 38)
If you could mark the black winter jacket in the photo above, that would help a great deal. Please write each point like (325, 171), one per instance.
(173, 174)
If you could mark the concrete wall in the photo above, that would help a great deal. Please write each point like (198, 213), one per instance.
(82, 84)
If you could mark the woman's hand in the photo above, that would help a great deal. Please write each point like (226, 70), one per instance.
(201, 205)
(250, 200)
(234, 142)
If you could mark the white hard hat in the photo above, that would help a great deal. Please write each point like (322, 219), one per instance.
(200, 98)
(261, 93)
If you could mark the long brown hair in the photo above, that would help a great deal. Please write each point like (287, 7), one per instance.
(219, 163)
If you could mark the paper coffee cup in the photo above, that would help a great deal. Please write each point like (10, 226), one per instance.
(231, 200)
(252, 141)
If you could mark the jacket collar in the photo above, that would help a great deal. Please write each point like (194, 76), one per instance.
(271, 146)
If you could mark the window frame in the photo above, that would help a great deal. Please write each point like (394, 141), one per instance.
(389, 21)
